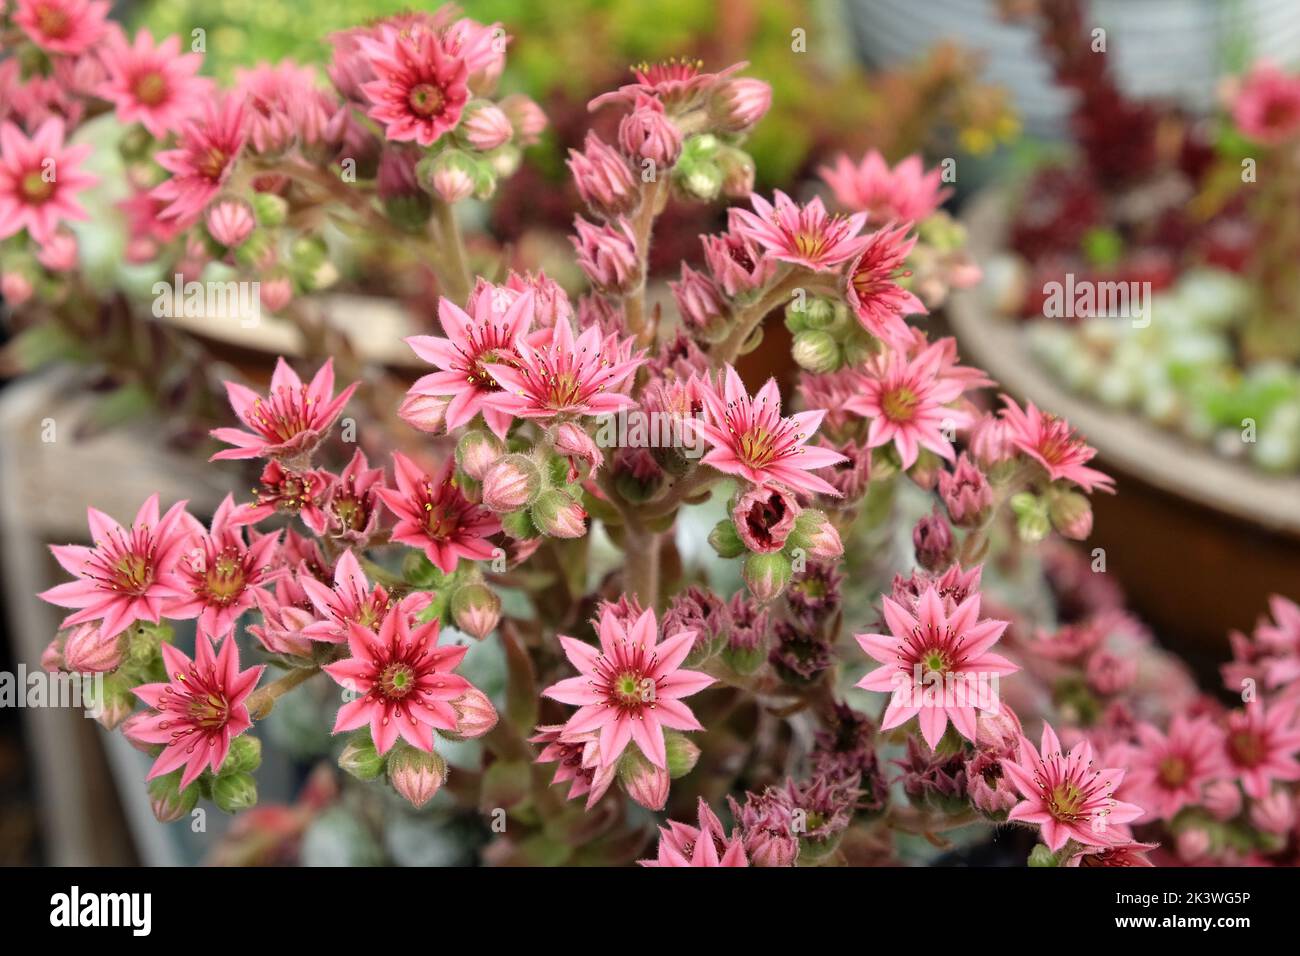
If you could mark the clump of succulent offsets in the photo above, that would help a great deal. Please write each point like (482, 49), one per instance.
(485, 512)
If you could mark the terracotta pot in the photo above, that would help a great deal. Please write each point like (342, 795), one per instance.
(1198, 541)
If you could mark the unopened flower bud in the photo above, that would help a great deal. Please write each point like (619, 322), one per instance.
(168, 801)
(510, 484)
(767, 575)
(116, 703)
(556, 513)
(428, 413)
(360, 758)
(737, 172)
(526, 118)
(966, 494)
(58, 253)
(739, 103)
(1223, 799)
(1275, 813)
(485, 126)
(683, 754)
(726, 540)
(572, 441)
(52, 656)
(644, 782)
(607, 255)
(932, 539)
(15, 288)
(276, 292)
(451, 175)
(604, 180)
(270, 209)
(233, 792)
(815, 533)
(700, 302)
(1071, 514)
(817, 351)
(475, 714)
(244, 755)
(1032, 522)
(86, 651)
(230, 222)
(476, 609)
(477, 451)
(415, 774)
(1193, 844)
(648, 133)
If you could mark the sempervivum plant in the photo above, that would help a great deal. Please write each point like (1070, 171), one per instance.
(549, 486)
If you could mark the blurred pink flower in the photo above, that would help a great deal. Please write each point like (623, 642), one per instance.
(906, 192)
(39, 180)
(153, 84)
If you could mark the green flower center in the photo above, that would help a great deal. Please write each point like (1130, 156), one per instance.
(426, 99)
(899, 404)
(396, 681)
(36, 188)
(1066, 801)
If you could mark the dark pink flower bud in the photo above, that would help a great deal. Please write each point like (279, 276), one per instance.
(966, 494)
(932, 539)
(608, 255)
(764, 517)
(604, 180)
(648, 133)
(736, 264)
(699, 301)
